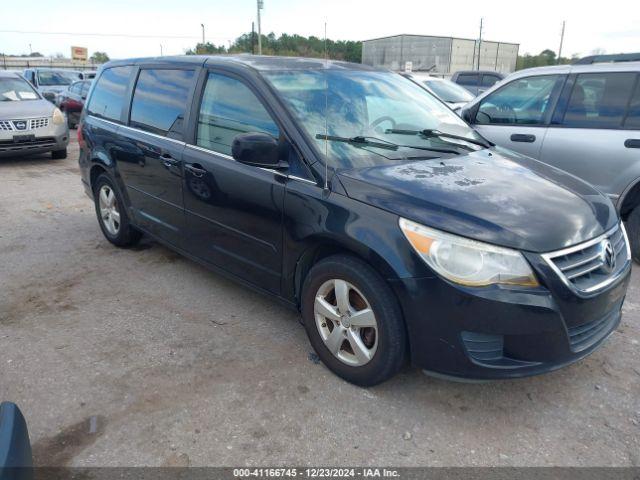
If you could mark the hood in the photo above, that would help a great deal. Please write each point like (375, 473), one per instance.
(25, 109)
(495, 196)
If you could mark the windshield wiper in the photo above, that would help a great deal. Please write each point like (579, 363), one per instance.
(380, 143)
(429, 133)
(359, 140)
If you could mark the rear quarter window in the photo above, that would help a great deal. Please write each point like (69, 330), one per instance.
(468, 79)
(108, 96)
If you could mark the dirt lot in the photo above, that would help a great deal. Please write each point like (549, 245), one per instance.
(141, 357)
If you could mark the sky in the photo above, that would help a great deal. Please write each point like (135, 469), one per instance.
(175, 25)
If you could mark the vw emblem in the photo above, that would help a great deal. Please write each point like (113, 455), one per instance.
(608, 257)
(20, 125)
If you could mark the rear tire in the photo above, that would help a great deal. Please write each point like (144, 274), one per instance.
(59, 154)
(112, 214)
(372, 350)
(633, 232)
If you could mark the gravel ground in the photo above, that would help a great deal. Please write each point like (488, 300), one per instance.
(141, 357)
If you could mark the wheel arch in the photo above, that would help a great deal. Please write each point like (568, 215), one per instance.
(629, 199)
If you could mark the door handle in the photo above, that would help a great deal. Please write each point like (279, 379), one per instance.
(168, 160)
(195, 169)
(522, 137)
(632, 143)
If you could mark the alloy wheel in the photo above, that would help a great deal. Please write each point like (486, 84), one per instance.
(109, 210)
(346, 322)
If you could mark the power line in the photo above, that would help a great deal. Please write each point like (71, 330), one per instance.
(123, 35)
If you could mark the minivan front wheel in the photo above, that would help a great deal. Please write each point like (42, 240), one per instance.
(353, 320)
(112, 216)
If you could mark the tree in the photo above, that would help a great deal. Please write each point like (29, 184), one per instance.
(287, 45)
(99, 57)
(546, 57)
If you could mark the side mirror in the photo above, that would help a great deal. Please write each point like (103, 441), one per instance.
(257, 149)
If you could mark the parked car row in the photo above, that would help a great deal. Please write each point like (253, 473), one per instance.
(357, 197)
(50, 82)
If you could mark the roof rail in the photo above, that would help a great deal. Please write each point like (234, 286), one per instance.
(613, 58)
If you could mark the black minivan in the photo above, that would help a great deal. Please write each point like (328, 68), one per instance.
(354, 195)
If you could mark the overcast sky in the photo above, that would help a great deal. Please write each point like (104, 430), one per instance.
(612, 26)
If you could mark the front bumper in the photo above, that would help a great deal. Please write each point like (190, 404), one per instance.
(500, 332)
(34, 140)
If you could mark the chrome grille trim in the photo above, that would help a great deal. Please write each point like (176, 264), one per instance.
(32, 124)
(579, 266)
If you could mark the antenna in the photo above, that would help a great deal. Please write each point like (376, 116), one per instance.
(326, 113)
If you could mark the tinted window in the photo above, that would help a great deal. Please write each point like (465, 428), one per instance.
(489, 80)
(599, 100)
(468, 79)
(524, 101)
(108, 96)
(228, 108)
(633, 116)
(160, 100)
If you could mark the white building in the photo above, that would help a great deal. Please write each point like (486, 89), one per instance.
(439, 55)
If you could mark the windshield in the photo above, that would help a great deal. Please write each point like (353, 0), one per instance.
(14, 89)
(448, 91)
(365, 104)
(56, 77)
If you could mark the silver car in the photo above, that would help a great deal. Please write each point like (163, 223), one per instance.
(584, 119)
(29, 123)
(51, 81)
(451, 93)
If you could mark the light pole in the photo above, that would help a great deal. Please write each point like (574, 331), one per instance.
(561, 42)
(160, 49)
(260, 7)
(202, 25)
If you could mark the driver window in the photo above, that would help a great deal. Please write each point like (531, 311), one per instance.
(525, 101)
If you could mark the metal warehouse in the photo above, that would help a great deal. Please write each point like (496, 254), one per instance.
(439, 55)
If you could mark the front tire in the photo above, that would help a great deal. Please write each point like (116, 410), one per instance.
(112, 214)
(633, 232)
(353, 321)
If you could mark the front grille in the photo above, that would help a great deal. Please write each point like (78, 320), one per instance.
(32, 124)
(583, 336)
(10, 145)
(590, 266)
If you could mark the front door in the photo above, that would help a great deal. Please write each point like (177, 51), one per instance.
(233, 211)
(516, 115)
(151, 150)
(597, 135)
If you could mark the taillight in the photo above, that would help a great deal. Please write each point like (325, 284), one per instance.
(80, 137)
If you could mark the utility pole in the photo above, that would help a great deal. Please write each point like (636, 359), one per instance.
(260, 7)
(160, 49)
(253, 38)
(202, 25)
(561, 41)
(480, 43)
(30, 49)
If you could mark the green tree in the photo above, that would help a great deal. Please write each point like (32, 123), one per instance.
(287, 45)
(99, 57)
(546, 57)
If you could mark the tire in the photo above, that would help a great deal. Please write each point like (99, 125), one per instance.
(118, 231)
(385, 346)
(59, 154)
(633, 232)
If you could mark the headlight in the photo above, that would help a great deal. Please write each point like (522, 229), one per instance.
(468, 262)
(58, 117)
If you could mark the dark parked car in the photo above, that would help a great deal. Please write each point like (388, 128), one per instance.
(359, 198)
(71, 101)
(477, 81)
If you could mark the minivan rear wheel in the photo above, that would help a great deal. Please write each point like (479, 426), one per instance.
(112, 215)
(633, 232)
(353, 320)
